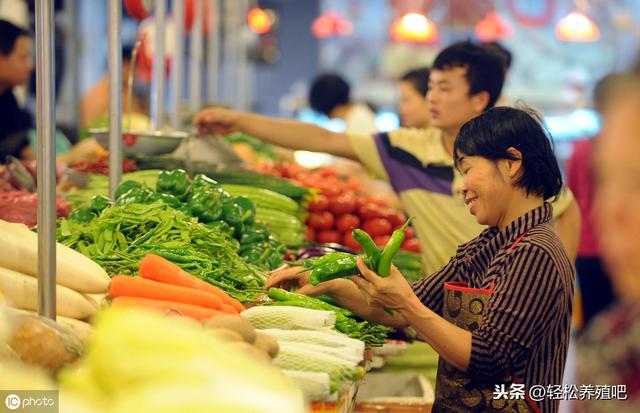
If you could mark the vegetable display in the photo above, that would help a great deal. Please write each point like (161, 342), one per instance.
(340, 206)
(137, 361)
(122, 235)
(373, 335)
(203, 199)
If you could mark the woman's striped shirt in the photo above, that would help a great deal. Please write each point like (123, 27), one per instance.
(526, 326)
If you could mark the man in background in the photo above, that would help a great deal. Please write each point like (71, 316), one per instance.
(16, 64)
(330, 95)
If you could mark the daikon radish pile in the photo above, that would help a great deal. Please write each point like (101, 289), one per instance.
(22, 292)
(19, 253)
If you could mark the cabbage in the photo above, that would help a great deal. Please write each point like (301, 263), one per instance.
(141, 362)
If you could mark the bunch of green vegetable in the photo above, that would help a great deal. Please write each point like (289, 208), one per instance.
(372, 334)
(205, 200)
(120, 235)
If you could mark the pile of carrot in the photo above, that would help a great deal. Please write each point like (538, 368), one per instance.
(165, 287)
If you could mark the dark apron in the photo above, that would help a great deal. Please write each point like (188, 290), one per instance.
(455, 391)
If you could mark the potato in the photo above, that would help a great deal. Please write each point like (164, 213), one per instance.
(226, 335)
(267, 344)
(233, 323)
(42, 342)
(251, 351)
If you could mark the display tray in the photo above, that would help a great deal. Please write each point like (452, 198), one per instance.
(143, 142)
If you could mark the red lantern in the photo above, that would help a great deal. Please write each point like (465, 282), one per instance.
(139, 9)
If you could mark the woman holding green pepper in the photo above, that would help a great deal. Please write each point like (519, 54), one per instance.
(499, 312)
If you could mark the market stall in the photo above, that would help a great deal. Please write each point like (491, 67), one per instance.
(167, 257)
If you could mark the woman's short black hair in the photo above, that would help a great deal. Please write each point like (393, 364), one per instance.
(419, 79)
(327, 92)
(490, 134)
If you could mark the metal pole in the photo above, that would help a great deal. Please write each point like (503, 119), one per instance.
(115, 96)
(157, 87)
(197, 44)
(243, 63)
(213, 55)
(178, 63)
(230, 52)
(46, 159)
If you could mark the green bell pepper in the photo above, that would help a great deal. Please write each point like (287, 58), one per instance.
(232, 213)
(201, 180)
(81, 215)
(176, 182)
(125, 186)
(139, 195)
(168, 199)
(99, 203)
(221, 226)
(205, 205)
(248, 209)
(258, 232)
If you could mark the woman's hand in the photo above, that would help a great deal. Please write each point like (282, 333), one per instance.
(299, 277)
(392, 292)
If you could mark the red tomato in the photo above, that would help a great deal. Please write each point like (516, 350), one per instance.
(354, 184)
(381, 240)
(377, 226)
(360, 201)
(310, 235)
(396, 218)
(343, 204)
(378, 201)
(330, 190)
(323, 220)
(327, 236)
(409, 233)
(320, 204)
(411, 245)
(326, 171)
(370, 211)
(347, 222)
(349, 242)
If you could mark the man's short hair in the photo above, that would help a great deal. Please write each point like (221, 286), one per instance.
(485, 72)
(504, 54)
(9, 34)
(327, 92)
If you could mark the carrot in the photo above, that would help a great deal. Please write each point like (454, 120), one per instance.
(166, 307)
(154, 267)
(229, 309)
(126, 286)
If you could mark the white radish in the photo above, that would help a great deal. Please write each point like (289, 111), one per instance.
(19, 252)
(21, 291)
(98, 299)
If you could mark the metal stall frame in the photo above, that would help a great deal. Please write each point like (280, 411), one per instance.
(46, 158)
